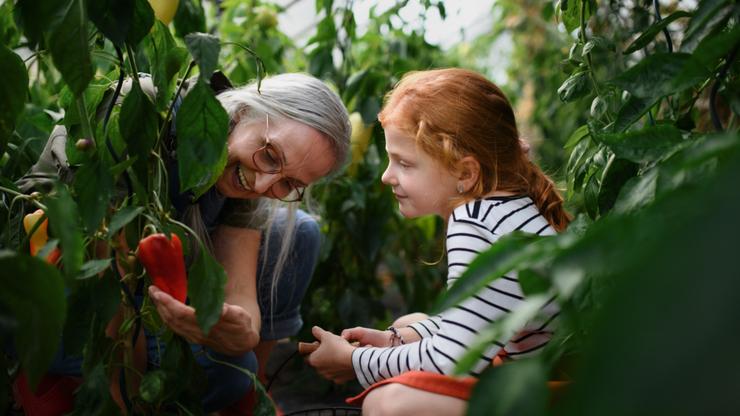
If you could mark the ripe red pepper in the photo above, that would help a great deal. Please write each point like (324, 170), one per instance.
(163, 260)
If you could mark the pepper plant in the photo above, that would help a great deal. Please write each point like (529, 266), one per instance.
(66, 62)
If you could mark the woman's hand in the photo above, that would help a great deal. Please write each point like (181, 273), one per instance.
(333, 357)
(229, 335)
(367, 336)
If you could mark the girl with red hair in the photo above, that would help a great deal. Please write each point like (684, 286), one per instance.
(453, 151)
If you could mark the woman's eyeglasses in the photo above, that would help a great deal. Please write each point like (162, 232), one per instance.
(269, 159)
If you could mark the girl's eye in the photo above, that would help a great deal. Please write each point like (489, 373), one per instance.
(404, 164)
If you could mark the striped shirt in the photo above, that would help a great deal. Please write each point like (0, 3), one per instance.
(472, 229)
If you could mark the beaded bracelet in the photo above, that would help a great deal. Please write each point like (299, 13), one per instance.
(395, 335)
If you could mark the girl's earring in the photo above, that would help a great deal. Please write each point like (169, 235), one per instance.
(460, 188)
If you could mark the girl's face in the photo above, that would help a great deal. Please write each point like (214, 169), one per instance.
(421, 185)
(303, 153)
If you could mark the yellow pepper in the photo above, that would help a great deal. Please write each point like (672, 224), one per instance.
(40, 236)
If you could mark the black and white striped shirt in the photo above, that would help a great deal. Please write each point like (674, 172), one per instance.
(472, 229)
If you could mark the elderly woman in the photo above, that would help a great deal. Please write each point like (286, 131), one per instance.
(282, 138)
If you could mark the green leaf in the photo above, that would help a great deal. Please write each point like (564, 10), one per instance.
(38, 17)
(597, 42)
(93, 396)
(576, 86)
(616, 174)
(189, 17)
(502, 330)
(653, 30)
(70, 49)
(508, 252)
(92, 268)
(637, 193)
(97, 297)
(64, 221)
(653, 76)
(202, 129)
(517, 388)
(646, 145)
(142, 22)
(631, 111)
(533, 282)
(709, 15)
(33, 292)
(93, 185)
(204, 48)
(123, 217)
(206, 281)
(138, 123)
(152, 386)
(113, 18)
(570, 13)
(13, 91)
(577, 136)
(166, 61)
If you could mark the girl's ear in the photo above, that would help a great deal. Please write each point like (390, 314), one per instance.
(468, 172)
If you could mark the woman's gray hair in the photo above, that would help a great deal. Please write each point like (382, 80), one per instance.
(298, 97)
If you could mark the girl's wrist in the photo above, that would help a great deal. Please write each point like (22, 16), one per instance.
(395, 337)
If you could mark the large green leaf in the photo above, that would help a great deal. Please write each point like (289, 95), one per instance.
(646, 145)
(206, 281)
(37, 17)
(202, 129)
(517, 388)
(113, 18)
(93, 185)
(98, 296)
(13, 90)
(189, 18)
(680, 281)
(123, 217)
(143, 19)
(653, 30)
(166, 60)
(631, 111)
(33, 293)
(204, 48)
(138, 125)
(64, 221)
(502, 330)
(653, 76)
(708, 17)
(70, 49)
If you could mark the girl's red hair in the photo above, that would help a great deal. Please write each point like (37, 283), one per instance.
(455, 112)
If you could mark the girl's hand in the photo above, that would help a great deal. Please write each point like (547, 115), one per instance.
(227, 336)
(333, 357)
(367, 336)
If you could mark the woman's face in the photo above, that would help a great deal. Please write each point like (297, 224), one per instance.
(421, 185)
(305, 155)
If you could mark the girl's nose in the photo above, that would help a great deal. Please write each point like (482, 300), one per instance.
(387, 177)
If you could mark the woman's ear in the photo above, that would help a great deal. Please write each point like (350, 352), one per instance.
(468, 172)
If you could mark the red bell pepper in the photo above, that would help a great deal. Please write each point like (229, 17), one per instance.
(163, 260)
(40, 236)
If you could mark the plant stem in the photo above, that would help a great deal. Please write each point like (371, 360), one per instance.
(84, 119)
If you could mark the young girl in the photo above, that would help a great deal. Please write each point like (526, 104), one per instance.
(453, 151)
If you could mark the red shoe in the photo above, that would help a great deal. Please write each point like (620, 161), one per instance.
(54, 395)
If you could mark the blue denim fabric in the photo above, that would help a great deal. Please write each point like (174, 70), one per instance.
(280, 318)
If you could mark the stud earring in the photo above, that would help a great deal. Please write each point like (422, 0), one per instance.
(460, 188)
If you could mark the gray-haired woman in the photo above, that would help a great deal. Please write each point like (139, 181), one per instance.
(282, 138)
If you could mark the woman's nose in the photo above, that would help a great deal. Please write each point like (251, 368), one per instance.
(264, 181)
